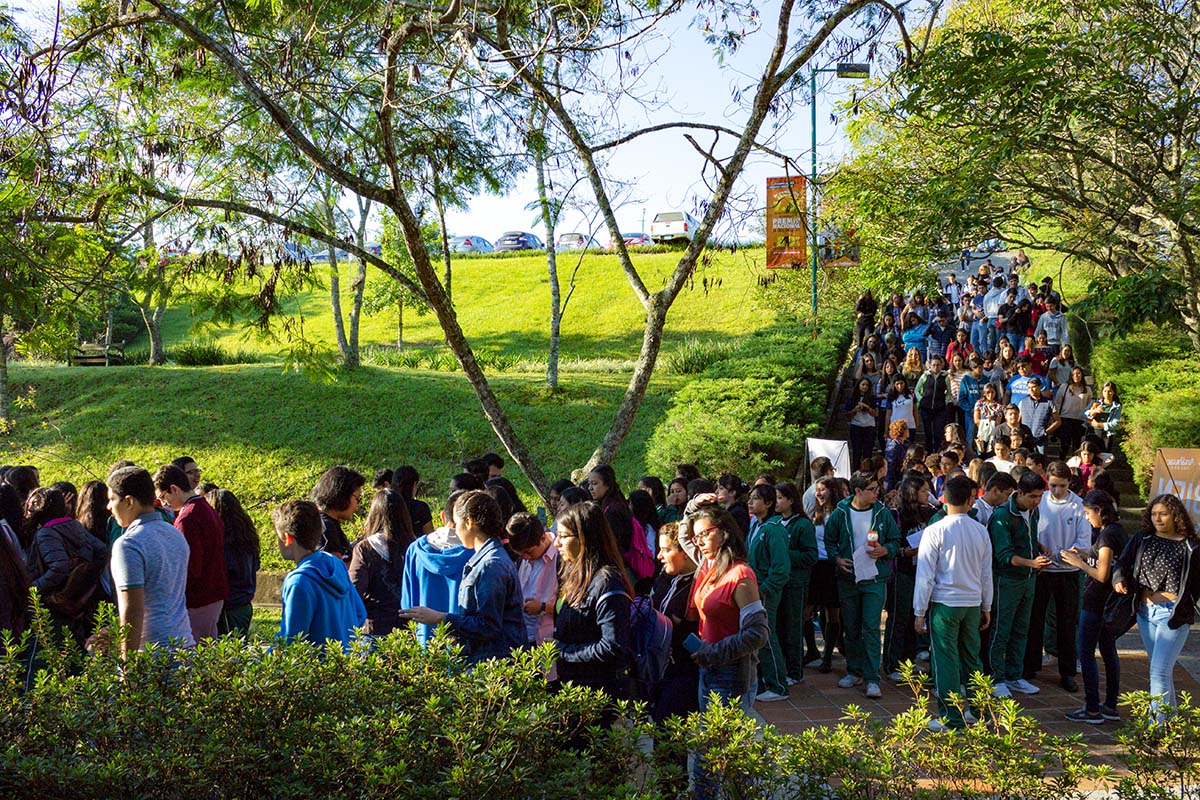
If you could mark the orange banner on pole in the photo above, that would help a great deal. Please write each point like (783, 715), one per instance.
(787, 222)
(1177, 472)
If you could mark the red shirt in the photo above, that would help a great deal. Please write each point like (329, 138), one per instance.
(207, 581)
(712, 601)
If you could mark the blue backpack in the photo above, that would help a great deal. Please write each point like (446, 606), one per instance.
(651, 632)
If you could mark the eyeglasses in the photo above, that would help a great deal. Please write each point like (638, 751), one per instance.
(707, 531)
(874, 488)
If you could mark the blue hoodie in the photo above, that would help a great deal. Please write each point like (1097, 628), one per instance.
(320, 602)
(431, 579)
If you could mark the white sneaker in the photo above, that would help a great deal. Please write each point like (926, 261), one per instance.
(792, 681)
(1023, 686)
(849, 681)
(923, 655)
(769, 697)
(937, 726)
(1001, 690)
(873, 690)
(895, 677)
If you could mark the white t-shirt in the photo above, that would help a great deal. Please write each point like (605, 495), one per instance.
(902, 409)
(1001, 464)
(822, 553)
(861, 525)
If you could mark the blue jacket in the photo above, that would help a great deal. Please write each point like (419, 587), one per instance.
(431, 579)
(490, 622)
(320, 602)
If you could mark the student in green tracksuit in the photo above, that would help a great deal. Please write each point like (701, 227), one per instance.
(802, 547)
(1017, 559)
(768, 556)
(848, 531)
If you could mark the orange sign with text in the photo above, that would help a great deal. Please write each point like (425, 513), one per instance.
(787, 222)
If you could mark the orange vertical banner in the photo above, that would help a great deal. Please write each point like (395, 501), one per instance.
(787, 222)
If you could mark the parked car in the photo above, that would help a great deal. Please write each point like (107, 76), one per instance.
(321, 254)
(989, 246)
(638, 239)
(295, 252)
(669, 226)
(576, 241)
(470, 244)
(519, 240)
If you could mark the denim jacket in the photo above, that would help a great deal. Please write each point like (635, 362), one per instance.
(489, 622)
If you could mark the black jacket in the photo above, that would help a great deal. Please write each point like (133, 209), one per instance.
(670, 596)
(594, 640)
(378, 577)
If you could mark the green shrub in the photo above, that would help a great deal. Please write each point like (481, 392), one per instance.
(694, 355)
(751, 412)
(1157, 374)
(207, 354)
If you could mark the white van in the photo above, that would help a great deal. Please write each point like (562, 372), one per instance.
(671, 225)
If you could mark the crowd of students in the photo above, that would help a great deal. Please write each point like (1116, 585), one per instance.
(975, 532)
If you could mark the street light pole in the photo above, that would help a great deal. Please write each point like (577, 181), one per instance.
(844, 70)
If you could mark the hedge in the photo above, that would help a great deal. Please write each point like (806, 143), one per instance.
(1157, 373)
(233, 719)
(750, 411)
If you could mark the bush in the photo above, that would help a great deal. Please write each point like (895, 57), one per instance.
(750, 412)
(207, 354)
(696, 355)
(1157, 374)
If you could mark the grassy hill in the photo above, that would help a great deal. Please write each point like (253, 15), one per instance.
(267, 434)
(503, 306)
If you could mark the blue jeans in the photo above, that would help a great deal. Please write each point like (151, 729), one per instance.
(1163, 647)
(1017, 341)
(1093, 632)
(979, 337)
(992, 334)
(728, 682)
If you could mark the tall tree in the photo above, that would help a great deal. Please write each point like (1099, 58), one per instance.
(388, 75)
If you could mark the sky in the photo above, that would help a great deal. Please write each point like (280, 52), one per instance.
(662, 171)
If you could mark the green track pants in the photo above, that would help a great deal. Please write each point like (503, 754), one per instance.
(953, 653)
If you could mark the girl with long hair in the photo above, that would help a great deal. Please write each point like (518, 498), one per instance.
(677, 497)
(1104, 416)
(1108, 542)
(91, 509)
(1159, 573)
(802, 553)
(733, 622)
(902, 405)
(377, 560)
(822, 589)
(604, 489)
(591, 626)
(242, 560)
(1072, 400)
(989, 413)
(404, 481)
(863, 416)
(913, 367)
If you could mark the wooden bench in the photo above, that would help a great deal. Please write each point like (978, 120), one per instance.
(98, 355)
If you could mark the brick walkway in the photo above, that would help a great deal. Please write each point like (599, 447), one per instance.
(819, 701)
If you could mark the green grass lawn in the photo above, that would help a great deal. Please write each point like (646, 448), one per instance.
(267, 434)
(503, 306)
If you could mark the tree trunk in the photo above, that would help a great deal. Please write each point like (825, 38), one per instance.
(349, 359)
(656, 318)
(441, 212)
(539, 162)
(360, 282)
(439, 301)
(154, 305)
(5, 398)
(153, 321)
(400, 324)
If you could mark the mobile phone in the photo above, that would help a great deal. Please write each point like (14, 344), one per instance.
(541, 514)
(692, 643)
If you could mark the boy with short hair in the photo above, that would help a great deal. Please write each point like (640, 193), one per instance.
(954, 590)
(538, 573)
(1018, 559)
(319, 601)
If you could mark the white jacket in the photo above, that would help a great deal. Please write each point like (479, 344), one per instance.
(954, 565)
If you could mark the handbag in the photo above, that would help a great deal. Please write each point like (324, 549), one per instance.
(1120, 613)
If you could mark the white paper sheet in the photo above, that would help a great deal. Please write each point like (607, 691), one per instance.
(865, 568)
(914, 538)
